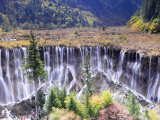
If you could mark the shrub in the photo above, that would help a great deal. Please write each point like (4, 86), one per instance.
(153, 115)
(132, 21)
(62, 114)
(155, 26)
(114, 112)
(113, 33)
(146, 114)
(103, 28)
(96, 104)
(123, 37)
(106, 98)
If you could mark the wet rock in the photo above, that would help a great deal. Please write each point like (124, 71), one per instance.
(1, 109)
(23, 108)
(70, 77)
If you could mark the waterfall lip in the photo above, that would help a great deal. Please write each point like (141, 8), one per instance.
(60, 72)
(29, 97)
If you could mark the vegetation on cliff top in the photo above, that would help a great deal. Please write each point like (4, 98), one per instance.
(114, 37)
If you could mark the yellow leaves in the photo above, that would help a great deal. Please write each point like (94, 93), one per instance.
(153, 115)
(106, 97)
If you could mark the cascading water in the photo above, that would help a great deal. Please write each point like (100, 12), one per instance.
(21, 85)
(135, 71)
(9, 81)
(63, 64)
(4, 98)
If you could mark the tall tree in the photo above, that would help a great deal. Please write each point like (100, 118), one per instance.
(89, 90)
(34, 68)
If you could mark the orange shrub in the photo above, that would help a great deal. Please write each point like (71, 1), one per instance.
(114, 112)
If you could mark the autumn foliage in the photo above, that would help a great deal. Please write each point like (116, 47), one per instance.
(114, 112)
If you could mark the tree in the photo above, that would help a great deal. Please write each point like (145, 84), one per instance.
(133, 105)
(72, 103)
(34, 68)
(52, 100)
(89, 90)
(40, 101)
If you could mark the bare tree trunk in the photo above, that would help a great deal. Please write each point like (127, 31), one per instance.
(35, 86)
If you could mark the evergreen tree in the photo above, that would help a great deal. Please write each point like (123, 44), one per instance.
(133, 105)
(63, 97)
(40, 101)
(89, 90)
(52, 100)
(72, 104)
(35, 65)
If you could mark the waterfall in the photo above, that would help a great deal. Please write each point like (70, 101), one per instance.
(21, 85)
(63, 65)
(4, 98)
(47, 66)
(9, 81)
(135, 71)
(150, 82)
(155, 85)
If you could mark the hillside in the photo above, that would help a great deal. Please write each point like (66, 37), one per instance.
(148, 18)
(49, 14)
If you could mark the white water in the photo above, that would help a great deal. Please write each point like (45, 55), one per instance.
(60, 62)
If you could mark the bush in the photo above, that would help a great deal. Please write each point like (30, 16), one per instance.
(153, 115)
(106, 98)
(103, 28)
(96, 104)
(62, 114)
(113, 33)
(132, 21)
(123, 37)
(114, 112)
(146, 114)
(155, 26)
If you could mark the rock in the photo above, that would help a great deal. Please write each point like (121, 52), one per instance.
(23, 108)
(1, 109)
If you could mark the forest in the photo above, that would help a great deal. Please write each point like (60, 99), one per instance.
(146, 19)
(50, 14)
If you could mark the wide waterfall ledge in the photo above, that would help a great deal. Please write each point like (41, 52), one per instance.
(64, 65)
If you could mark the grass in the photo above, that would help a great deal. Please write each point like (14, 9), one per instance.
(123, 38)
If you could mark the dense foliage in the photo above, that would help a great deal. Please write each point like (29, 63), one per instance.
(148, 18)
(56, 98)
(150, 10)
(49, 14)
(40, 99)
(133, 105)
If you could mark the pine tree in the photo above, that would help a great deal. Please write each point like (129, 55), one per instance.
(40, 101)
(63, 97)
(89, 90)
(34, 68)
(52, 100)
(72, 104)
